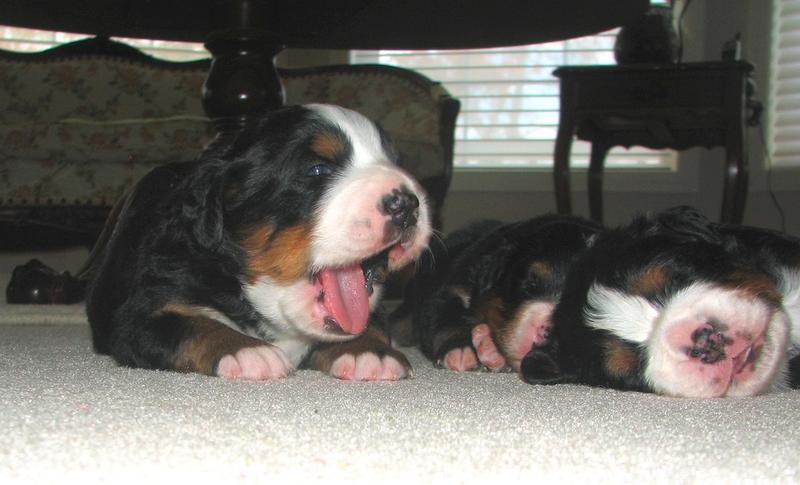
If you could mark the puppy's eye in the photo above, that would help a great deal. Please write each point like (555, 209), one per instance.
(320, 170)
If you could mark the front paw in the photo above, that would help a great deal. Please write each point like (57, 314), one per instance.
(255, 364)
(459, 359)
(483, 354)
(486, 348)
(369, 366)
(368, 357)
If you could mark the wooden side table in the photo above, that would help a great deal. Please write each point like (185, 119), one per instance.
(655, 106)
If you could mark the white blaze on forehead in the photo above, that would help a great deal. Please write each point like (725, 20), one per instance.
(362, 133)
(351, 224)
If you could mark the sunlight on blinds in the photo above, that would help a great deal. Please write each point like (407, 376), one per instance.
(510, 101)
(785, 100)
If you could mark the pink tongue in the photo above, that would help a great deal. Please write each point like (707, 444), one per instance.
(346, 297)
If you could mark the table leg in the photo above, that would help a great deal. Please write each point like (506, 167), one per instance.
(242, 80)
(566, 131)
(735, 192)
(737, 172)
(597, 160)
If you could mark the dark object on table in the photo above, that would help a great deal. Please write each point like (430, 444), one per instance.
(36, 283)
(651, 39)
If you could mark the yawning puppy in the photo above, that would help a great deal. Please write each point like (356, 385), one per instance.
(277, 238)
(677, 305)
(492, 290)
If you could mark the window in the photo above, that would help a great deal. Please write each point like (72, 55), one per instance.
(784, 106)
(510, 101)
(30, 40)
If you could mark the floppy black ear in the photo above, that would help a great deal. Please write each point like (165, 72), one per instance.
(539, 367)
(203, 209)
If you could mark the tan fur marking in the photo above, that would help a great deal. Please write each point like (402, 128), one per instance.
(492, 314)
(754, 285)
(620, 359)
(283, 257)
(372, 340)
(650, 280)
(327, 145)
(542, 269)
(210, 340)
(181, 309)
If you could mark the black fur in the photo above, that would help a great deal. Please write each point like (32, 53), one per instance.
(683, 242)
(177, 236)
(491, 260)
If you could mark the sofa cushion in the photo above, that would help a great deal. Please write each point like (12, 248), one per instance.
(83, 129)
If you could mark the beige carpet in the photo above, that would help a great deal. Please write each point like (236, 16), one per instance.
(67, 415)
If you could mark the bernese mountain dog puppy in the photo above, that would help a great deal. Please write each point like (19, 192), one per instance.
(279, 237)
(487, 295)
(677, 305)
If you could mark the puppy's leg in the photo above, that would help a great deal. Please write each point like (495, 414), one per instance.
(529, 327)
(187, 341)
(486, 348)
(215, 349)
(444, 326)
(368, 357)
(497, 341)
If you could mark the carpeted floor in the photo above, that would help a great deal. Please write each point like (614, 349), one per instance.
(68, 415)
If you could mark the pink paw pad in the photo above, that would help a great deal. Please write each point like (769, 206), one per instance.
(255, 363)
(461, 359)
(484, 344)
(368, 367)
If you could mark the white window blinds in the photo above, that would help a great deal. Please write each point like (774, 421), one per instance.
(510, 101)
(784, 113)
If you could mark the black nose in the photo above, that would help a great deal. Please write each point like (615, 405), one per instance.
(402, 205)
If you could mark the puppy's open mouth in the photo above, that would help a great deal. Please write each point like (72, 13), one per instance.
(344, 292)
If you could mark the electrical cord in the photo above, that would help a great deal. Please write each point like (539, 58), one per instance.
(773, 197)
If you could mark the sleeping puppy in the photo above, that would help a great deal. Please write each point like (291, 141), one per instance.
(493, 287)
(278, 238)
(677, 305)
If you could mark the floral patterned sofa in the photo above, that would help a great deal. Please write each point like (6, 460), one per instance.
(81, 122)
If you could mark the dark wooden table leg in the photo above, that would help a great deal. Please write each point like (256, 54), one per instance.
(566, 131)
(596, 161)
(735, 191)
(242, 80)
(737, 171)
(737, 174)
